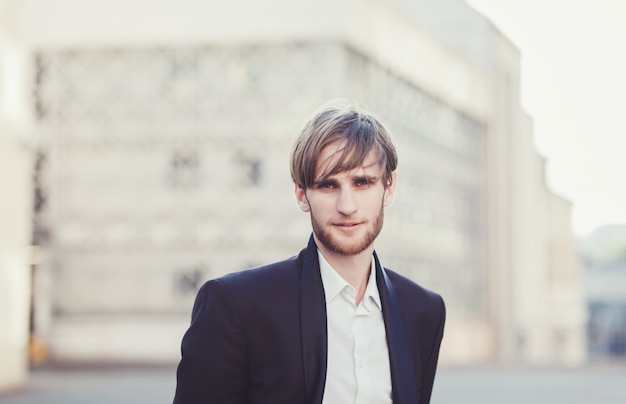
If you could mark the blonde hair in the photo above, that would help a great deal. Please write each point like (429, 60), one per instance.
(341, 121)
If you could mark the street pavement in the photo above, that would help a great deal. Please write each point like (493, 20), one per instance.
(592, 385)
(482, 385)
(96, 386)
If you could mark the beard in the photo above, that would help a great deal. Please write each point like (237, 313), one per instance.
(340, 247)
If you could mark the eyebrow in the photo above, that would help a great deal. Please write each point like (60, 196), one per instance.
(369, 178)
(354, 178)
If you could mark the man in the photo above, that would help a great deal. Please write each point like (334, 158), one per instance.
(331, 325)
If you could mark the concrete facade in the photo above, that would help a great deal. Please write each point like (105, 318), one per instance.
(166, 137)
(16, 201)
(15, 213)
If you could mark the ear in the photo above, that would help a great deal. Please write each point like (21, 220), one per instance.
(390, 190)
(303, 204)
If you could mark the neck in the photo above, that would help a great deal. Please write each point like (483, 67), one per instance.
(354, 269)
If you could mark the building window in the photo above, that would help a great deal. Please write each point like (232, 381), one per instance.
(184, 170)
(251, 168)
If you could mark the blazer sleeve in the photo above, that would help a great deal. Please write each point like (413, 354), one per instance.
(431, 366)
(213, 366)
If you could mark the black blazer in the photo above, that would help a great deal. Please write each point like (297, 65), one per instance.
(259, 336)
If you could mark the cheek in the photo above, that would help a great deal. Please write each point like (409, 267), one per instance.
(323, 205)
(379, 199)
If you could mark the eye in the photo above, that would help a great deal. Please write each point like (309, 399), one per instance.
(364, 182)
(326, 185)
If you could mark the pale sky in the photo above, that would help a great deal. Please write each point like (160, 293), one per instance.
(574, 87)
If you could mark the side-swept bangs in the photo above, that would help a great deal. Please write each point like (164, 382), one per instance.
(356, 132)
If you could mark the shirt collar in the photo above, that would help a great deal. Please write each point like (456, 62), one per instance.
(333, 282)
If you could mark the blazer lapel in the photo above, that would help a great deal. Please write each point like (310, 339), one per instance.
(403, 386)
(313, 324)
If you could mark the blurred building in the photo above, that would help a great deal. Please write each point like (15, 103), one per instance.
(605, 279)
(16, 201)
(165, 132)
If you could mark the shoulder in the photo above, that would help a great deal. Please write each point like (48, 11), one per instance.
(253, 297)
(256, 280)
(411, 293)
(266, 273)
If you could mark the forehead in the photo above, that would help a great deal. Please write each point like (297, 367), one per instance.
(331, 154)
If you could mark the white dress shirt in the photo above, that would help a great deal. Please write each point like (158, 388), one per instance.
(358, 360)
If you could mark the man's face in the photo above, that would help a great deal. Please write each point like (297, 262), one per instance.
(347, 208)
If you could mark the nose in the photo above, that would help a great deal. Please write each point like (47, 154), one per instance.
(347, 202)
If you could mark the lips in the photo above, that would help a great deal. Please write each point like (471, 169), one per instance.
(347, 226)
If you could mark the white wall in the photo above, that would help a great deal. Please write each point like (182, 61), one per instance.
(15, 203)
(15, 208)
